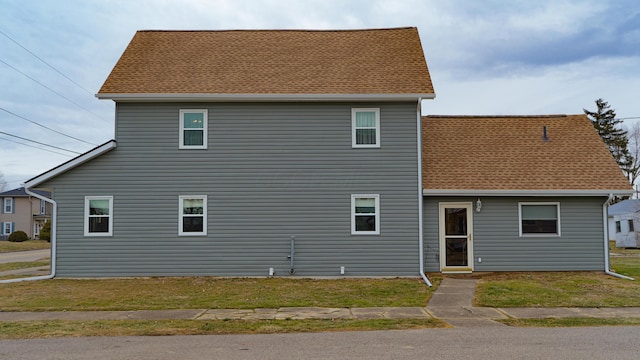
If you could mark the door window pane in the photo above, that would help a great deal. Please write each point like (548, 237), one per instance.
(456, 221)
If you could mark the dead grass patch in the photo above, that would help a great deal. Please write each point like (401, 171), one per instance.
(210, 293)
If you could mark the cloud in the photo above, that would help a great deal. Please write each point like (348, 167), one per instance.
(485, 57)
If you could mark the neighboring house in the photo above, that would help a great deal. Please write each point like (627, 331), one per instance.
(21, 211)
(507, 193)
(254, 153)
(624, 223)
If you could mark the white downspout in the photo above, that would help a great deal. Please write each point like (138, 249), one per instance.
(420, 196)
(605, 222)
(54, 211)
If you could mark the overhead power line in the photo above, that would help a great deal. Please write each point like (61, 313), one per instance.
(53, 91)
(46, 63)
(35, 147)
(46, 127)
(38, 142)
(49, 65)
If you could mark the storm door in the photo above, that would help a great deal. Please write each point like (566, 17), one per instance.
(456, 232)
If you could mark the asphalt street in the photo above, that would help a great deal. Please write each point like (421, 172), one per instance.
(24, 256)
(459, 343)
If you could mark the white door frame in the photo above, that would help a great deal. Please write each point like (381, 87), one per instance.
(442, 237)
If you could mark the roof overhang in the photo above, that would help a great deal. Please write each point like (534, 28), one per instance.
(264, 97)
(62, 168)
(470, 192)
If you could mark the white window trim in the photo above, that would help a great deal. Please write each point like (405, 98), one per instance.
(557, 234)
(181, 215)
(376, 214)
(8, 201)
(4, 228)
(87, 199)
(353, 127)
(205, 126)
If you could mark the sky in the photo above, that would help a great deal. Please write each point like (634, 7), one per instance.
(489, 57)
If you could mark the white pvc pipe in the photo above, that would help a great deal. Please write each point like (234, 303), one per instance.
(605, 222)
(420, 197)
(54, 212)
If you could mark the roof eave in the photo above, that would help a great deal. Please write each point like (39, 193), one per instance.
(264, 97)
(484, 192)
(62, 168)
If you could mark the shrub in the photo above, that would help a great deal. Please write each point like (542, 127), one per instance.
(45, 232)
(18, 236)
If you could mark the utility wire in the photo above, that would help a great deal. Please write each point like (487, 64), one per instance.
(46, 127)
(49, 65)
(46, 63)
(37, 142)
(35, 147)
(53, 91)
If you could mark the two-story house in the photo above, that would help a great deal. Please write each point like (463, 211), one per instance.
(21, 211)
(304, 153)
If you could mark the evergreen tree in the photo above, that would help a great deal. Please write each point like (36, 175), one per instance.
(613, 134)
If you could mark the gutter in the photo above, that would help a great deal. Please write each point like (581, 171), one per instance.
(206, 97)
(54, 211)
(420, 197)
(605, 222)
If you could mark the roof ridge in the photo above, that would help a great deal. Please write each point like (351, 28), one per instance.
(499, 116)
(280, 30)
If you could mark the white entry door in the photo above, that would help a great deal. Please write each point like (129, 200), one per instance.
(456, 237)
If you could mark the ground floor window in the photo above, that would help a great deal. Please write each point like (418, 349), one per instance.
(193, 215)
(539, 218)
(98, 215)
(365, 214)
(7, 228)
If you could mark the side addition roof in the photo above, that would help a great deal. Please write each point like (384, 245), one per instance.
(270, 64)
(20, 192)
(507, 155)
(66, 166)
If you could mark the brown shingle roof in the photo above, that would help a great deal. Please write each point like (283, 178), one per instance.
(508, 153)
(375, 61)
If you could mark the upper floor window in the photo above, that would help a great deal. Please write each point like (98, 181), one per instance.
(98, 215)
(193, 215)
(7, 205)
(365, 128)
(365, 214)
(43, 207)
(539, 218)
(193, 129)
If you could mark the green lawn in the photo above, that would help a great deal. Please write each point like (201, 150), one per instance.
(8, 246)
(23, 265)
(564, 289)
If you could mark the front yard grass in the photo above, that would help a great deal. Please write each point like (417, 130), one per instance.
(57, 328)
(564, 289)
(210, 293)
(23, 265)
(8, 246)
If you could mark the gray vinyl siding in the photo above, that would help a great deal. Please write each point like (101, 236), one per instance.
(271, 171)
(497, 242)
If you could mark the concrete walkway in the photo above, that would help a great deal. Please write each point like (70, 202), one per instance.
(452, 303)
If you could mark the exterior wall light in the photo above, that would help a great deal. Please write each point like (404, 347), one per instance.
(478, 205)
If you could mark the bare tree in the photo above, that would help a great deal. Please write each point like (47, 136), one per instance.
(3, 182)
(633, 134)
